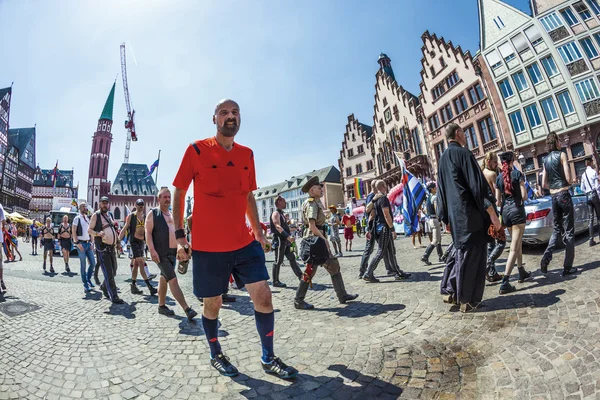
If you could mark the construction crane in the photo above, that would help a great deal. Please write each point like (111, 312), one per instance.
(129, 123)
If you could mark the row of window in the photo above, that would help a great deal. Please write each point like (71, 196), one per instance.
(448, 112)
(448, 83)
(552, 21)
(534, 73)
(548, 108)
(359, 150)
(359, 168)
(485, 129)
(570, 52)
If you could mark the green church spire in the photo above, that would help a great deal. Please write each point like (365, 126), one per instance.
(107, 112)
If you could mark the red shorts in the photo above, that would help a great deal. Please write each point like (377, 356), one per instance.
(348, 233)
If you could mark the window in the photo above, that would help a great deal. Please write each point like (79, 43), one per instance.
(388, 115)
(569, 52)
(448, 109)
(486, 126)
(520, 81)
(384, 101)
(505, 88)
(550, 66)
(533, 116)
(360, 149)
(587, 90)
(462, 101)
(535, 74)
(452, 79)
(549, 109)
(442, 62)
(565, 103)
(437, 91)
(369, 165)
(432, 70)
(577, 150)
(582, 10)
(533, 34)
(516, 120)
(439, 149)
(569, 16)
(434, 122)
(350, 152)
(416, 141)
(349, 171)
(551, 22)
(506, 51)
(476, 94)
(588, 47)
(471, 137)
(594, 6)
(359, 169)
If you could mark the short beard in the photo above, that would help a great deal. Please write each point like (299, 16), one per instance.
(228, 132)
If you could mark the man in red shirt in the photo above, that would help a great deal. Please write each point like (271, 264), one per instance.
(348, 221)
(224, 178)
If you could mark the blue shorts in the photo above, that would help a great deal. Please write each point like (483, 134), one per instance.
(211, 271)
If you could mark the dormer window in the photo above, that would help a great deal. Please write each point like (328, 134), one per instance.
(499, 23)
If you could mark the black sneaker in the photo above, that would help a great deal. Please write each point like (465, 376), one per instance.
(426, 261)
(544, 266)
(117, 300)
(279, 368)
(402, 275)
(190, 313)
(592, 242)
(67, 270)
(135, 289)
(506, 288)
(221, 363)
(371, 279)
(51, 269)
(227, 298)
(152, 290)
(302, 305)
(570, 271)
(164, 310)
(279, 284)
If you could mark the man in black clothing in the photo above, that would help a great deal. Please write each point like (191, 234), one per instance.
(589, 186)
(556, 176)
(466, 202)
(102, 229)
(282, 241)
(370, 244)
(434, 225)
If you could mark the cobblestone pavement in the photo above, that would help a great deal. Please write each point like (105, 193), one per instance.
(398, 340)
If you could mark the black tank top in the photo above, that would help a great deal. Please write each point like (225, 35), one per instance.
(283, 224)
(554, 171)
(430, 206)
(160, 232)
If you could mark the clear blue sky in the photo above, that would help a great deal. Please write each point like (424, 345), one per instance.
(297, 68)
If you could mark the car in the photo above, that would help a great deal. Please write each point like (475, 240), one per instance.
(540, 220)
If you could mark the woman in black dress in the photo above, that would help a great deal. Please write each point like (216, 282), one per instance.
(510, 190)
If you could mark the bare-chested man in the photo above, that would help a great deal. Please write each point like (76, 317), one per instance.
(490, 171)
(47, 242)
(135, 228)
(160, 235)
(64, 236)
(102, 229)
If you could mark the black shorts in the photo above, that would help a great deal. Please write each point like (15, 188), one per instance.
(212, 270)
(48, 244)
(34, 240)
(137, 247)
(513, 215)
(65, 244)
(167, 265)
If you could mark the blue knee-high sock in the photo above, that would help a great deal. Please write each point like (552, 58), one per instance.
(211, 330)
(265, 325)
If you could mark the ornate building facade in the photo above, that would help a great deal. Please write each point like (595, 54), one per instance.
(131, 183)
(6, 199)
(356, 158)
(544, 68)
(23, 140)
(45, 190)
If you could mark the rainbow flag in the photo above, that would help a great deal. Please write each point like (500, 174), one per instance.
(359, 189)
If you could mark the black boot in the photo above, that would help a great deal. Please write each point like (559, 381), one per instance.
(491, 275)
(523, 275)
(440, 252)
(506, 287)
(299, 302)
(340, 289)
(276, 282)
(428, 251)
(135, 289)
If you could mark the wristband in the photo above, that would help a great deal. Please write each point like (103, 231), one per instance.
(179, 234)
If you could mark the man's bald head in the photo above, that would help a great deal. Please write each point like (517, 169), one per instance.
(224, 101)
(227, 117)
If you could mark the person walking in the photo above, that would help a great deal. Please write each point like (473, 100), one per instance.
(47, 233)
(496, 246)
(334, 223)
(466, 203)
(64, 238)
(556, 176)
(510, 187)
(369, 231)
(35, 233)
(434, 225)
(589, 186)
(224, 178)
(102, 229)
(160, 237)
(134, 227)
(348, 221)
(81, 240)
(315, 243)
(282, 241)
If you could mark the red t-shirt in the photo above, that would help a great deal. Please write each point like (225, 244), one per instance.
(347, 218)
(222, 181)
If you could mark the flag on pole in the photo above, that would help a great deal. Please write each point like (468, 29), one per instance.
(359, 191)
(55, 174)
(413, 195)
(152, 168)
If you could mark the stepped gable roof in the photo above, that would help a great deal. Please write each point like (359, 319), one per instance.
(132, 180)
(107, 111)
(44, 178)
(20, 138)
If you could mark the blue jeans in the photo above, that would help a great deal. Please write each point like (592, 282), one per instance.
(89, 254)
